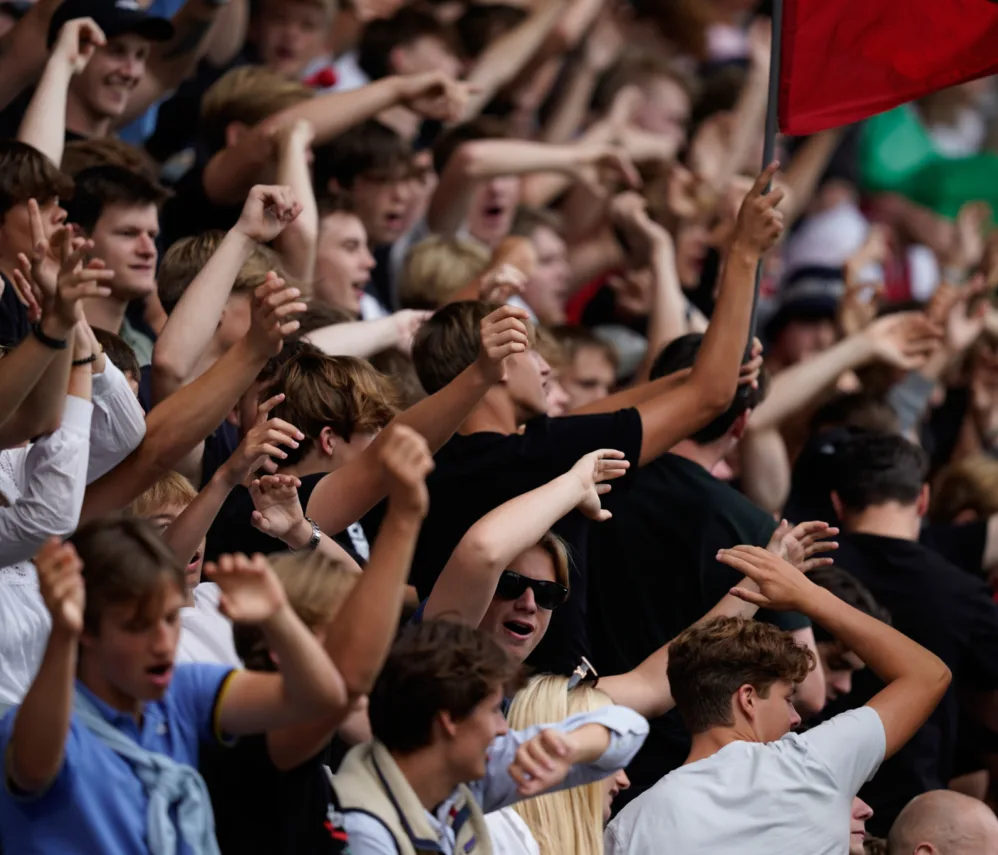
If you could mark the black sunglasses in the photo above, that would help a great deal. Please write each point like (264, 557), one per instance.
(547, 595)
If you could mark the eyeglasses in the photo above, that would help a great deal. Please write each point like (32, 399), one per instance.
(584, 673)
(547, 595)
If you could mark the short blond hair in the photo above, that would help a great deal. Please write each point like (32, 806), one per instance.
(249, 95)
(437, 268)
(316, 585)
(970, 484)
(173, 490)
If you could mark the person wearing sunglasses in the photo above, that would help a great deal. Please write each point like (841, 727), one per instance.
(509, 575)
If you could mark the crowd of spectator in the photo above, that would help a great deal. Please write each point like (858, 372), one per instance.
(426, 428)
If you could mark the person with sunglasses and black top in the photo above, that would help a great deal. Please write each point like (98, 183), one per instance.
(509, 573)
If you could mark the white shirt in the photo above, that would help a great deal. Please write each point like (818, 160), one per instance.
(792, 796)
(205, 633)
(510, 834)
(498, 790)
(119, 424)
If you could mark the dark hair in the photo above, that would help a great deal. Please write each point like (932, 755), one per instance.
(100, 186)
(855, 409)
(875, 468)
(435, 666)
(332, 202)
(292, 350)
(482, 23)
(482, 128)
(124, 561)
(118, 351)
(26, 173)
(449, 342)
(851, 591)
(370, 149)
(681, 353)
(381, 37)
(572, 340)
(710, 662)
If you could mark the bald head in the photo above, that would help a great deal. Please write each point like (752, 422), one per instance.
(944, 823)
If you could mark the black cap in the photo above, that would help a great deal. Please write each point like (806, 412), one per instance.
(114, 17)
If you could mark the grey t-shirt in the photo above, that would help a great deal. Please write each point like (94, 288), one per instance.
(793, 795)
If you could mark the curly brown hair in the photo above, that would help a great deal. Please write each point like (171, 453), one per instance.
(436, 666)
(709, 662)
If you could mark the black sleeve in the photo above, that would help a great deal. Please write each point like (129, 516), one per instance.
(962, 545)
(561, 442)
(979, 666)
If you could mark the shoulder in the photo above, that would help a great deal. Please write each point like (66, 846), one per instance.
(368, 834)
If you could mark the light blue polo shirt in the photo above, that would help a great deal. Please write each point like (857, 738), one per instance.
(97, 804)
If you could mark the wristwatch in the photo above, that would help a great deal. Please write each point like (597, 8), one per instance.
(313, 541)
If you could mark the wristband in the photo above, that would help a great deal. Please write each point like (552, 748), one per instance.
(313, 541)
(87, 360)
(48, 341)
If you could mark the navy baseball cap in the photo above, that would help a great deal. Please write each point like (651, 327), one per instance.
(114, 17)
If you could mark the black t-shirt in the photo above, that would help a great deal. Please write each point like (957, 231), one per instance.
(950, 613)
(654, 572)
(14, 326)
(475, 474)
(190, 212)
(233, 530)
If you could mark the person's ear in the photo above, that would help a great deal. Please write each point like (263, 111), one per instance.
(741, 425)
(233, 418)
(923, 501)
(925, 849)
(745, 699)
(446, 723)
(397, 63)
(234, 133)
(967, 515)
(837, 505)
(327, 441)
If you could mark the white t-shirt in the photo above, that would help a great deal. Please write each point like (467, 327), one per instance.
(205, 633)
(510, 834)
(753, 798)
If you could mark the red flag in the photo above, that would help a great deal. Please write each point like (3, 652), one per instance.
(844, 60)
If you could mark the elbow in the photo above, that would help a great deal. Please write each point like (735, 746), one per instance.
(481, 552)
(469, 160)
(945, 677)
(165, 369)
(715, 397)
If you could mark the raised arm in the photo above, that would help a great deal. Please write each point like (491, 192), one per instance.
(366, 338)
(468, 581)
(184, 419)
(24, 50)
(44, 122)
(916, 678)
(344, 496)
(191, 325)
(297, 243)
(37, 743)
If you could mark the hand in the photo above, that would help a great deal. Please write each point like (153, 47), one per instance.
(503, 333)
(268, 211)
(592, 471)
(604, 42)
(710, 149)
(77, 42)
(278, 509)
(501, 283)
(749, 373)
(41, 270)
(857, 306)
(781, 586)
(60, 577)
(904, 340)
(299, 134)
(251, 593)
(967, 248)
(261, 445)
(798, 545)
(613, 165)
(274, 302)
(760, 44)
(759, 224)
(541, 763)
(407, 322)
(406, 460)
(436, 95)
(949, 309)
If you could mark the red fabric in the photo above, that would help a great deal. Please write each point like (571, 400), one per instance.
(844, 60)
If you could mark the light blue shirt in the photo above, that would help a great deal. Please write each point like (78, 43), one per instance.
(97, 804)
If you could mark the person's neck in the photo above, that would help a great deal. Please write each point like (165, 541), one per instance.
(426, 771)
(708, 743)
(313, 463)
(707, 456)
(105, 313)
(92, 677)
(81, 121)
(890, 520)
(494, 414)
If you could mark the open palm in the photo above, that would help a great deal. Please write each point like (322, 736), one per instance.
(593, 471)
(278, 508)
(251, 593)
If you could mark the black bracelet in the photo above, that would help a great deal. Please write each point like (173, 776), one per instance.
(87, 360)
(53, 343)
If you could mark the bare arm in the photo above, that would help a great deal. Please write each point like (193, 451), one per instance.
(765, 468)
(20, 372)
(344, 496)
(297, 243)
(366, 338)
(228, 34)
(24, 50)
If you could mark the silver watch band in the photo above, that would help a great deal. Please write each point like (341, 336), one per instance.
(314, 540)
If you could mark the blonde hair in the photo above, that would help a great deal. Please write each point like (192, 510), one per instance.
(437, 268)
(970, 484)
(316, 585)
(248, 95)
(557, 550)
(547, 344)
(570, 820)
(173, 490)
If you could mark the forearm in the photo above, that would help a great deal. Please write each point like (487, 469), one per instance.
(749, 121)
(765, 468)
(809, 695)
(439, 416)
(20, 371)
(174, 427)
(359, 638)
(806, 168)
(355, 338)
(572, 107)
(668, 314)
(38, 741)
(193, 322)
(796, 387)
(297, 243)
(588, 743)
(24, 51)
(48, 396)
(228, 34)
(186, 532)
(635, 395)
(44, 122)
